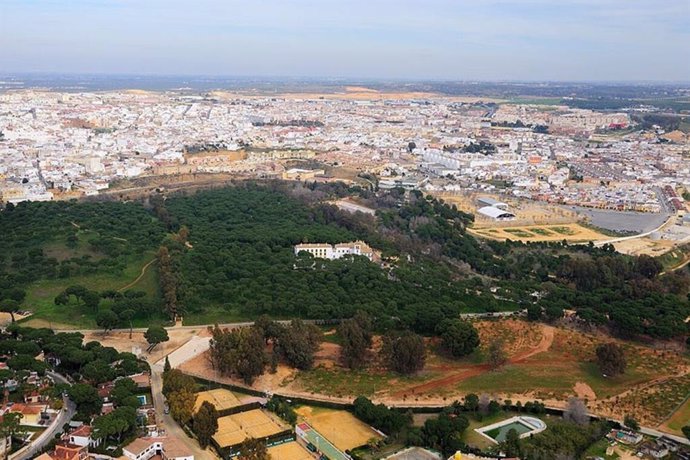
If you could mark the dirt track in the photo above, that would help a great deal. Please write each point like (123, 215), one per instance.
(472, 371)
(141, 275)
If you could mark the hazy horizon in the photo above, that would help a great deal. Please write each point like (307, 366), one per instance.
(609, 41)
(331, 78)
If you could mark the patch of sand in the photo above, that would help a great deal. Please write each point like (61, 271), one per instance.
(328, 355)
(584, 391)
(120, 341)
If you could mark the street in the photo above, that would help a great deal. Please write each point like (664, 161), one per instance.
(49, 434)
(166, 421)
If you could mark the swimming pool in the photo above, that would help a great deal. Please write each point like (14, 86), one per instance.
(524, 426)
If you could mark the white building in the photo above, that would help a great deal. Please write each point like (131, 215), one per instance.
(166, 448)
(332, 252)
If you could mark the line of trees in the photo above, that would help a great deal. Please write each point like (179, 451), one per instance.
(243, 352)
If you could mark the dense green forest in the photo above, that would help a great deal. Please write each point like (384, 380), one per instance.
(64, 239)
(242, 258)
(228, 253)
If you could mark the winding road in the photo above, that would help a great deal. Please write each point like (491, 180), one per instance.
(48, 435)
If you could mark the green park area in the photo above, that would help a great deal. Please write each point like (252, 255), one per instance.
(140, 274)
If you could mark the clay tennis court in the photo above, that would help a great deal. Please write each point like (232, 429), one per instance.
(235, 428)
(289, 451)
(340, 427)
(221, 398)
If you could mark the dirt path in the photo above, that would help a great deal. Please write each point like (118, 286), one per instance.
(547, 335)
(141, 275)
(544, 344)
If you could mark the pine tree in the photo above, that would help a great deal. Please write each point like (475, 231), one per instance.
(205, 423)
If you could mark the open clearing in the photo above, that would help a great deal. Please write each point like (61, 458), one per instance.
(340, 427)
(558, 232)
(679, 419)
(121, 341)
(527, 212)
(544, 362)
(41, 294)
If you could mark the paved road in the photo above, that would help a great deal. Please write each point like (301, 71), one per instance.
(634, 237)
(167, 422)
(49, 434)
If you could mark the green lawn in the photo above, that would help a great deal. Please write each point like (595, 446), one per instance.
(41, 294)
(598, 449)
(680, 418)
(557, 377)
(516, 380)
(342, 383)
(605, 387)
(59, 250)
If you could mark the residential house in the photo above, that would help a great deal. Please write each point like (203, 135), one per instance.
(82, 437)
(166, 447)
(654, 449)
(143, 380)
(625, 437)
(32, 414)
(66, 451)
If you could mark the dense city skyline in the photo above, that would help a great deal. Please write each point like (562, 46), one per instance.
(495, 40)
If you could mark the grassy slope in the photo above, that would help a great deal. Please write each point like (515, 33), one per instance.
(680, 418)
(41, 294)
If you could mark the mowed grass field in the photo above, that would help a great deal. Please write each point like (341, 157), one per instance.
(340, 427)
(41, 294)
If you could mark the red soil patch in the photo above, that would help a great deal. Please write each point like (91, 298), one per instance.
(544, 344)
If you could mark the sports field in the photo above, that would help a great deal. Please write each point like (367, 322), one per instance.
(340, 427)
(289, 451)
(221, 399)
(235, 428)
(319, 442)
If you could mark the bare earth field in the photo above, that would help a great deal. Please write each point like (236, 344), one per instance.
(646, 246)
(526, 212)
(122, 342)
(545, 362)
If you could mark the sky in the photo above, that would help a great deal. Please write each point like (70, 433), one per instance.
(532, 40)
